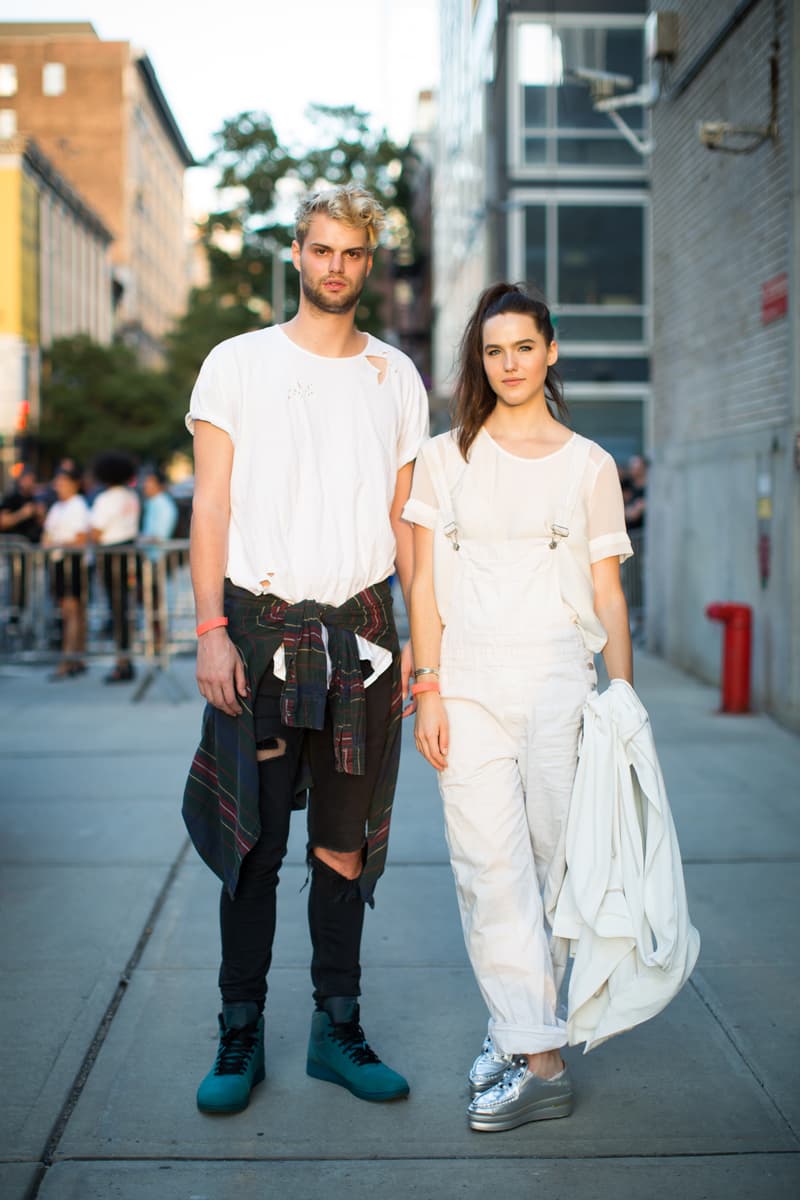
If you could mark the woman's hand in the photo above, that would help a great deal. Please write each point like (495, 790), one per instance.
(431, 729)
(220, 672)
(406, 675)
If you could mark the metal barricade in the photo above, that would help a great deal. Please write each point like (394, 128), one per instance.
(136, 601)
(632, 576)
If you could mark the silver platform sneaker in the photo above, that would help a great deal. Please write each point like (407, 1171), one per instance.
(489, 1068)
(521, 1097)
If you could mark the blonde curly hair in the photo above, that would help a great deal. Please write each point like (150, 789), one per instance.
(350, 204)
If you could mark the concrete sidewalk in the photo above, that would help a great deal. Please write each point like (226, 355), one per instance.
(108, 995)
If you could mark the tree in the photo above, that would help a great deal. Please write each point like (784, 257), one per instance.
(96, 398)
(261, 179)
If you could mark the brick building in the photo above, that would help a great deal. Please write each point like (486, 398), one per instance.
(724, 504)
(98, 113)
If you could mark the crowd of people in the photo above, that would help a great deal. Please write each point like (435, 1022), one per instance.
(100, 520)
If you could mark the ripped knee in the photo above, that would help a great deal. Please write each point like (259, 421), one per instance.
(347, 864)
(271, 747)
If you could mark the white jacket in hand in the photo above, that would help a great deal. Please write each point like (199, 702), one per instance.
(623, 900)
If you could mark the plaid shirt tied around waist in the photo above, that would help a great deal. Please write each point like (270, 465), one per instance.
(220, 802)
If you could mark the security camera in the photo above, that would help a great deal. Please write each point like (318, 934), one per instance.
(712, 133)
(601, 83)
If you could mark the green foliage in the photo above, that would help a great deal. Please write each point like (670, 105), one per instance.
(206, 322)
(261, 178)
(96, 398)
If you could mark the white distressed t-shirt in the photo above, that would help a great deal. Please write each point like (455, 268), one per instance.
(317, 444)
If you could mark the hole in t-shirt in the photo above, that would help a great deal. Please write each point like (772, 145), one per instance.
(267, 582)
(380, 364)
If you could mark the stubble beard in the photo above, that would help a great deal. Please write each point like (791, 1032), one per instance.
(344, 302)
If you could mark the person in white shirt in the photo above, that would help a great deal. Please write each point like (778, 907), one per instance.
(305, 437)
(66, 526)
(518, 536)
(115, 525)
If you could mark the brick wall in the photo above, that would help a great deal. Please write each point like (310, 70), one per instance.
(723, 385)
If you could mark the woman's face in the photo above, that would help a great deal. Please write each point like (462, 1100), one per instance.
(516, 358)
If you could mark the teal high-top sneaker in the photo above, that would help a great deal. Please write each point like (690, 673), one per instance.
(338, 1053)
(239, 1064)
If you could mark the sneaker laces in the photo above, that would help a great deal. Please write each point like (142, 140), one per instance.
(351, 1038)
(236, 1047)
(513, 1076)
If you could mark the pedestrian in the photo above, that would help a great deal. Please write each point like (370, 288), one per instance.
(21, 518)
(305, 437)
(21, 510)
(510, 600)
(636, 499)
(66, 527)
(159, 511)
(115, 524)
(159, 519)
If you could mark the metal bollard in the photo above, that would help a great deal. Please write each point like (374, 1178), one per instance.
(736, 653)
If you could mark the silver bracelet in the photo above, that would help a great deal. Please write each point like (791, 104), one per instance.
(426, 671)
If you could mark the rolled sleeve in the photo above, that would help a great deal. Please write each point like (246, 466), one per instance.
(214, 396)
(609, 545)
(421, 507)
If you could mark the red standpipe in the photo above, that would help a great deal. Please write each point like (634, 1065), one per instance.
(736, 652)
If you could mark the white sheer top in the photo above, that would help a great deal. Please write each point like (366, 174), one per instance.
(499, 496)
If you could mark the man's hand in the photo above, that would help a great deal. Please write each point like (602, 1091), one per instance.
(407, 672)
(220, 672)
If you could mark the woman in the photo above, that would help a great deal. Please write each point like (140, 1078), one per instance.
(115, 525)
(536, 534)
(67, 526)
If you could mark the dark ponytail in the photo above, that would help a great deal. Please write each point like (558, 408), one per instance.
(473, 399)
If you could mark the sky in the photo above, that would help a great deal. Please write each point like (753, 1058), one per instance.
(277, 55)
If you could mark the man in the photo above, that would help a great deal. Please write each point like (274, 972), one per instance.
(21, 511)
(21, 516)
(305, 436)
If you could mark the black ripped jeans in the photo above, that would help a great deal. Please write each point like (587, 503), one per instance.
(337, 814)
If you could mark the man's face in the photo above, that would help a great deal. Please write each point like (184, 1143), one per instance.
(334, 262)
(150, 486)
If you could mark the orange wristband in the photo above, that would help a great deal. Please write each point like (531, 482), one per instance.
(214, 623)
(427, 685)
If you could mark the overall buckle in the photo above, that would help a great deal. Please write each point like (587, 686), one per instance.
(558, 531)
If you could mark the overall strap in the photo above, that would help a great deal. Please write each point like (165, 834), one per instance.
(576, 466)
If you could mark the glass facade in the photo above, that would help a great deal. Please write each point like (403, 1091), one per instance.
(578, 213)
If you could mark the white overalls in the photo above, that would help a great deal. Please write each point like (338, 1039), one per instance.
(515, 674)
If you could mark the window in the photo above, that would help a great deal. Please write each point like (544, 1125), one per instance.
(587, 251)
(8, 123)
(54, 79)
(8, 79)
(600, 254)
(556, 127)
(615, 423)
